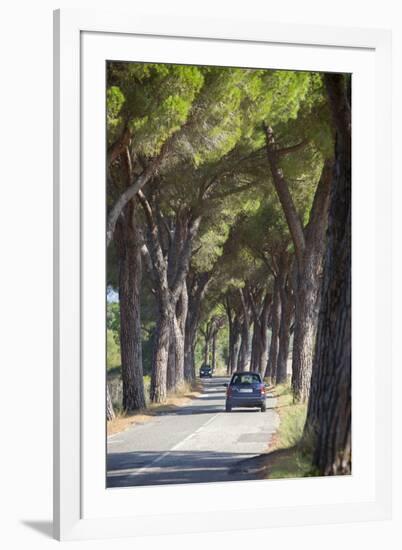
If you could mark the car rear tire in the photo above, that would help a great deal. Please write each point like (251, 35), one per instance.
(228, 408)
(263, 408)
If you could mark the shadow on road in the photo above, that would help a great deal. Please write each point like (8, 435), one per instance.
(153, 468)
(208, 409)
(210, 396)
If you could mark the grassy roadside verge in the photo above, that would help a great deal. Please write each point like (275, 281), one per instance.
(286, 458)
(124, 420)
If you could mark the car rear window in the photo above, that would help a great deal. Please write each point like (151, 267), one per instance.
(246, 378)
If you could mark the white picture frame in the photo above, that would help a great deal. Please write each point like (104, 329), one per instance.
(83, 507)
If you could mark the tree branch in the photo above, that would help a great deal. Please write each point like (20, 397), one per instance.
(292, 148)
(147, 260)
(155, 251)
(315, 229)
(244, 306)
(256, 313)
(233, 191)
(184, 258)
(285, 198)
(118, 147)
(138, 183)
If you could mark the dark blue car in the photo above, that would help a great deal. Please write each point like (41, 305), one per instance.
(246, 389)
(206, 371)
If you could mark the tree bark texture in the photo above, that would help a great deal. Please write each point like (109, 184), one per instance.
(130, 274)
(175, 369)
(109, 406)
(309, 244)
(243, 362)
(255, 347)
(158, 391)
(210, 332)
(213, 362)
(234, 334)
(286, 299)
(170, 266)
(275, 324)
(285, 198)
(189, 348)
(259, 352)
(235, 348)
(171, 365)
(180, 330)
(329, 410)
(308, 291)
(206, 350)
(284, 334)
(234, 344)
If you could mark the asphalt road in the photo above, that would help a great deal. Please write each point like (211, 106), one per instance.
(197, 443)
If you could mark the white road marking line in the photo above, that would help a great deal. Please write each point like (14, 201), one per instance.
(174, 448)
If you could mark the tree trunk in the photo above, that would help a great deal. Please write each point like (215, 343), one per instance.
(206, 350)
(109, 406)
(180, 332)
(309, 246)
(160, 357)
(255, 346)
(243, 362)
(189, 348)
(175, 371)
(286, 299)
(234, 345)
(263, 359)
(213, 364)
(329, 411)
(308, 291)
(230, 335)
(171, 365)
(130, 273)
(275, 323)
(304, 340)
(234, 335)
(284, 335)
(259, 352)
(236, 348)
(169, 275)
(197, 287)
(264, 336)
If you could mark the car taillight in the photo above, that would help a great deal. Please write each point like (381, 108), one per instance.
(229, 391)
(262, 389)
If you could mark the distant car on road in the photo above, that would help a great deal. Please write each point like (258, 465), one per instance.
(246, 389)
(206, 371)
